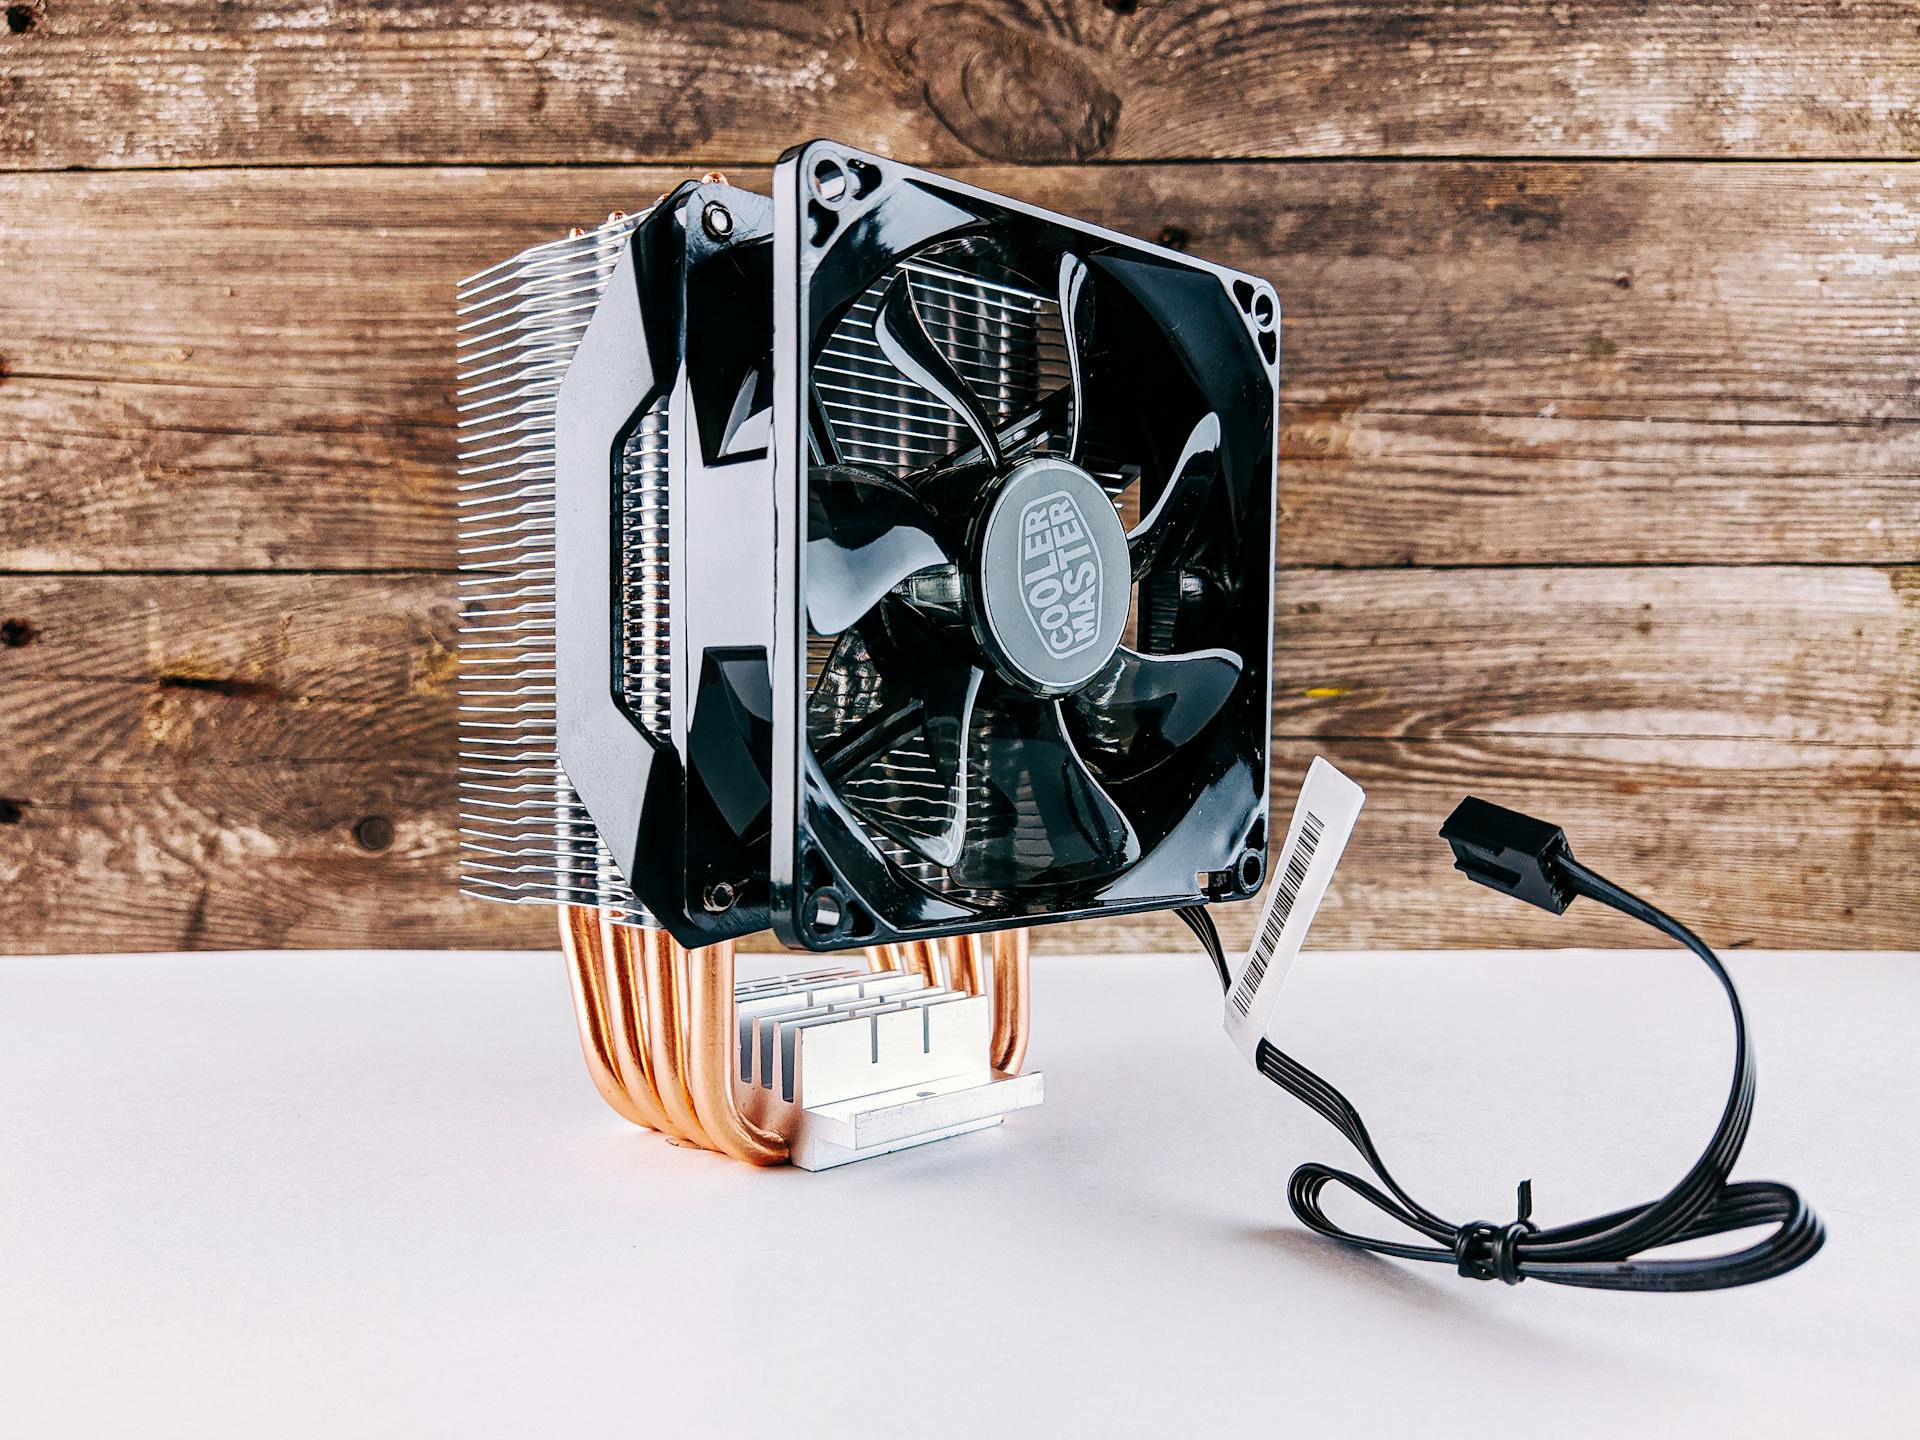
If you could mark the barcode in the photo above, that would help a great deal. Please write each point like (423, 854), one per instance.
(1289, 890)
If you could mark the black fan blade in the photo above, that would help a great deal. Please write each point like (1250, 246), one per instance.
(865, 534)
(1142, 708)
(952, 493)
(849, 692)
(953, 484)
(1036, 815)
(1073, 294)
(1170, 522)
(904, 340)
(911, 782)
(896, 713)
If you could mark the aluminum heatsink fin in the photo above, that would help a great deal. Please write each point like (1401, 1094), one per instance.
(525, 836)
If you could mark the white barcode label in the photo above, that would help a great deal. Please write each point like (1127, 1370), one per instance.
(1323, 818)
(1299, 857)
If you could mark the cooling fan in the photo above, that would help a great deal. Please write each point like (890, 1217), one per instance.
(1045, 617)
(887, 563)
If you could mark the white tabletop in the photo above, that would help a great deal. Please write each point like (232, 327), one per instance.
(350, 1194)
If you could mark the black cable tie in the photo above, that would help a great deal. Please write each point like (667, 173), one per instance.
(1473, 1246)
(1483, 1250)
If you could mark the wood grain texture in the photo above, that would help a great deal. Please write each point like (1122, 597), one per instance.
(271, 855)
(118, 475)
(1601, 490)
(100, 673)
(1753, 842)
(206, 82)
(1827, 655)
(251, 856)
(266, 760)
(1486, 364)
(130, 677)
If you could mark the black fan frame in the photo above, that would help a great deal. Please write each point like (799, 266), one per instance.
(843, 218)
(684, 321)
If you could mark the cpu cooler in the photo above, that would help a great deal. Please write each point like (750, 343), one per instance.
(881, 563)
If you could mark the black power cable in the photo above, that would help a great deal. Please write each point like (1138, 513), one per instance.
(1528, 858)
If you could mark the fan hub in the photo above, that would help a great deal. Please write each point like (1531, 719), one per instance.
(1052, 579)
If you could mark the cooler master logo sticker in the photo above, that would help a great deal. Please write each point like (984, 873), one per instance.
(1059, 574)
(1055, 577)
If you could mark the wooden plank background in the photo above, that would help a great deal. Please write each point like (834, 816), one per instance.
(1601, 459)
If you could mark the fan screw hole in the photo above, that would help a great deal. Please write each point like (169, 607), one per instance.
(720, 897)
(1251, 871)
(1263, 310)
(826, 911)
(717, 221)
(829, 180)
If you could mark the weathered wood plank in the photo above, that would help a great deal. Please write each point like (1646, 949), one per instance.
(1368, 487)
(101, 673)
(1485, 363)
(1758, 843)
(1501, 289)
(1763, 843)
(113, 475)
(128, 677)
(246, 856)
(183, 746)
(202, 82)
(1821, 654)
